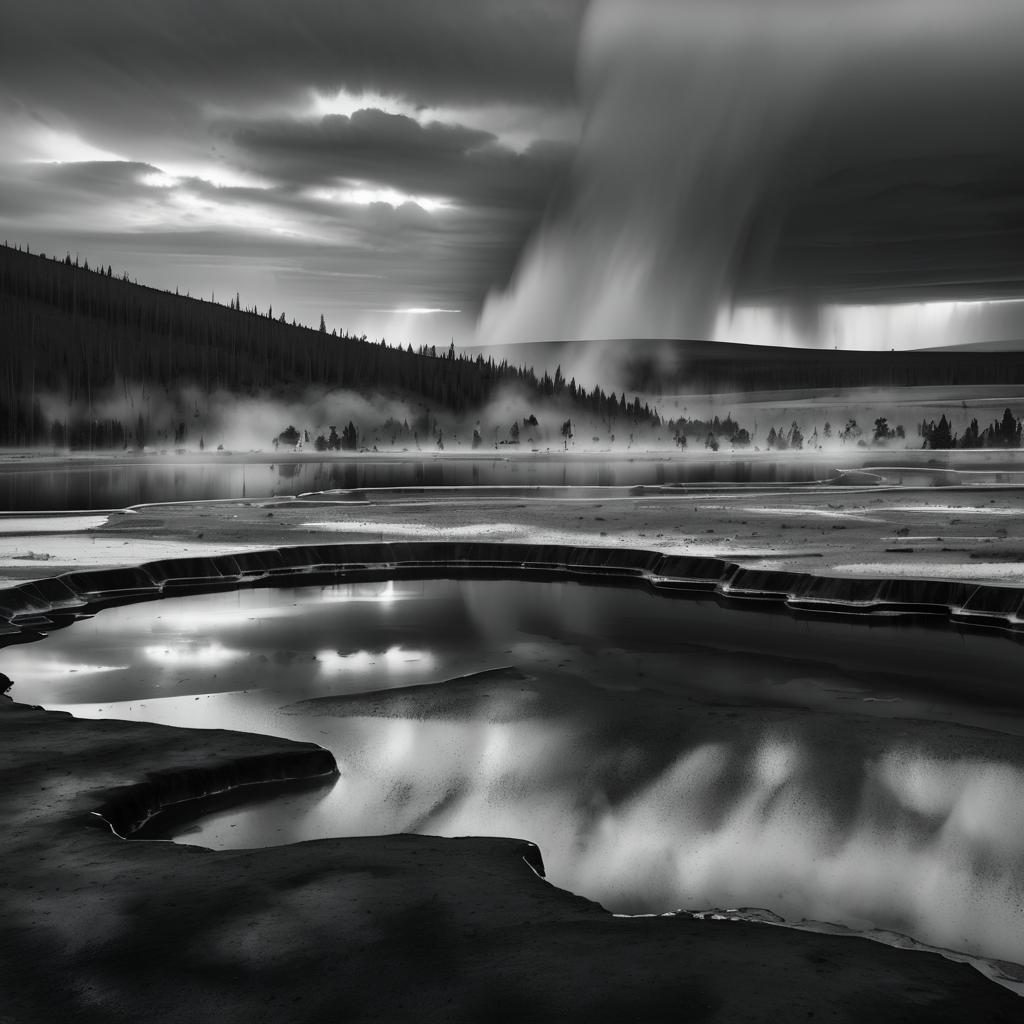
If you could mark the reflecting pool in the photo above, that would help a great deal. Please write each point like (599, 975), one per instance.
(662, 752)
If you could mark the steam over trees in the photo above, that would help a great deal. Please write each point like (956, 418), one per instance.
(851, 432)
(77, 336)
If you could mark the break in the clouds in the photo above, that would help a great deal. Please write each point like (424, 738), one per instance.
(381, 162)
(678, 165)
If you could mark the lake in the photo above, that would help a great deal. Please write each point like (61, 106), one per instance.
(122, 483)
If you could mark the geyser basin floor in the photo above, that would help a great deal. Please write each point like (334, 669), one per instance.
(777, 527)
(662, 753)
(390, 928)
(167, 932)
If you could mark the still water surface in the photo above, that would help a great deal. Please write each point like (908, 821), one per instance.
(122, 484)
(663, 753)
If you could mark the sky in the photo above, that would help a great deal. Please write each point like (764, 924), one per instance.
(774, 170)
(356, 159)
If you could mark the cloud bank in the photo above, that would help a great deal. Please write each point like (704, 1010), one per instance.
(347, 158)
(676, 164)
(790, 153)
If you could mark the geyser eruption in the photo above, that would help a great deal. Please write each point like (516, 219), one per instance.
(704, 182)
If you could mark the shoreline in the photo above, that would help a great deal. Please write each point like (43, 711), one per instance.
(21, 459)
(157, 931)
(967, 533)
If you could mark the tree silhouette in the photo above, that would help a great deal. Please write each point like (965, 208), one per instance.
(289, 436)
(938, 435)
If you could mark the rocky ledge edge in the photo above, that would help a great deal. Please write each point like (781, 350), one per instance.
(43, 605)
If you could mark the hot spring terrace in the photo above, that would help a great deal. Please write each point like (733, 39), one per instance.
(35, 607)
(175, 932)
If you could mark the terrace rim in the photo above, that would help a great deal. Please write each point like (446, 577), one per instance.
(30, 610)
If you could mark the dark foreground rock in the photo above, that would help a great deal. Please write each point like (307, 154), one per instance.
(96, 928)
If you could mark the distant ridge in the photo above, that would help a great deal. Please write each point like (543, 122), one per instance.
(1005, 345)
(654, 367)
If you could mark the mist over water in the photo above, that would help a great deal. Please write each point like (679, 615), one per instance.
(252, 421)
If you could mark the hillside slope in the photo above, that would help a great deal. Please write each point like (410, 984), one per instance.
(72, 337)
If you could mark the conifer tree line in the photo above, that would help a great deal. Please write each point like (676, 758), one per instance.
(1002, 433)
(77, 332)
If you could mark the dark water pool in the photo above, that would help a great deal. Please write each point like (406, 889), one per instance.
(662, 753)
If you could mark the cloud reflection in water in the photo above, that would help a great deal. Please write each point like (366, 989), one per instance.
(663, 754)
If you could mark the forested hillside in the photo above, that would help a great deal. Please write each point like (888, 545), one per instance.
(77, 334)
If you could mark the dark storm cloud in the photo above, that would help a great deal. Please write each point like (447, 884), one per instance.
(908, 230)
(29, 190)
(802, 150)
(190, 128)
(433, 159)
(906, 179)
(445, 259)
(82, 195)
(150, 64)
(85, 192)
(808, 150)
